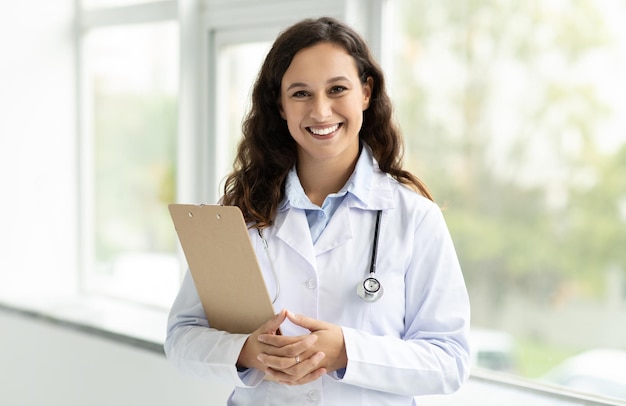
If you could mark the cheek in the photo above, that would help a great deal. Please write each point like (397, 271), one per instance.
(354, 106)
(356, 113)
(293, 125)
(292, 116)
(294, 130)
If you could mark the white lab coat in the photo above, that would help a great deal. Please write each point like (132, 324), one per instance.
(413, 341)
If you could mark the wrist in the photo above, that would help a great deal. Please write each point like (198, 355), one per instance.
(247, 358)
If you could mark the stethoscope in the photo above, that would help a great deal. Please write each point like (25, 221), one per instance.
(370, 290)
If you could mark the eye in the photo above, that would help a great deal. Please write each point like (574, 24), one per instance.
(338, 89)
(300, 94)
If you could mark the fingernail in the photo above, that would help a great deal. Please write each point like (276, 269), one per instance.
(261, 338)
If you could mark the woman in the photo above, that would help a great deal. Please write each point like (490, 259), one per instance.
(318, 177)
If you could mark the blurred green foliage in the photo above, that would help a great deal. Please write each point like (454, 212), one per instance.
(509, 232)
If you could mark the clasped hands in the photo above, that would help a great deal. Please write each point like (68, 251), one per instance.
(294, 360)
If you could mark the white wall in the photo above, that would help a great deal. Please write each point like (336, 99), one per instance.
(37, 146)
(45, 365)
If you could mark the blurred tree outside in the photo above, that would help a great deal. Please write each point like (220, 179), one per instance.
(503, 109)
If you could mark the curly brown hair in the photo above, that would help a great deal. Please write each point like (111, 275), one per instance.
(267, 151)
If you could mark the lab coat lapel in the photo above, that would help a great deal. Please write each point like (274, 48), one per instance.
(337, 232)
(293, 230)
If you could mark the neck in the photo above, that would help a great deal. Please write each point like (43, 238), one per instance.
(321, 179)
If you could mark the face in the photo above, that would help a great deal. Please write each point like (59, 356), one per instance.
(323, 101)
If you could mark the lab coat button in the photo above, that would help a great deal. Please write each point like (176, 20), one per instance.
(311, 284)
(312, 396)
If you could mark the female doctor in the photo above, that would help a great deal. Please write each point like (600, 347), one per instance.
(352, 247)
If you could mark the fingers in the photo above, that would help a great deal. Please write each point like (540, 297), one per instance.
(253, 347)
(330, 341)
(273, 324)
(289, 356)
(298, 373)
(306, 322)
(317, 353)
(279, 340)
(287, 346)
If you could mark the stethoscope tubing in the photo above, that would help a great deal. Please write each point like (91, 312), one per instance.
(363, 293)
(375, 245)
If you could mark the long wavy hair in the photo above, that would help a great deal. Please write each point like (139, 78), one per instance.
(267, 151)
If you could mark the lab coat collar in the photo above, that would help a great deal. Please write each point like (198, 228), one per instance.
(293, 229)
(337, 232)
(372, 191)
(369, 189)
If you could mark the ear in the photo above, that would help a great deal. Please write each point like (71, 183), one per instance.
(368, 87)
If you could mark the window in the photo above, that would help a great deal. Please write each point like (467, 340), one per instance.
(238, 62)
(164, 89)
(514, 115)
(129, 111)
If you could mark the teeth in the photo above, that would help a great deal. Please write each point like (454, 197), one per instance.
(324, 131)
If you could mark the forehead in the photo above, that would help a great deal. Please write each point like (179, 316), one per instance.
(319, 62)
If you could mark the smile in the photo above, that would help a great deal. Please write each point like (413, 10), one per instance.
(324, 131)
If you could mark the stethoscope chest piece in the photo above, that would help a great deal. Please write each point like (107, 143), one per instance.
(370, 290)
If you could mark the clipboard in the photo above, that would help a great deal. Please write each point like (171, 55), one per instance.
(223, 266)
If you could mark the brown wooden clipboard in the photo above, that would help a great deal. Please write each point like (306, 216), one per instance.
(223, 266)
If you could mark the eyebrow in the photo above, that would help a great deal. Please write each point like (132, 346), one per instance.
(331, 80)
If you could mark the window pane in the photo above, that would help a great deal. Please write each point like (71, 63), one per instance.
(238, 67)
(514, 114)
(131, 82)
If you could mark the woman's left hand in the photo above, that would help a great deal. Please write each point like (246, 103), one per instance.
(326, 354)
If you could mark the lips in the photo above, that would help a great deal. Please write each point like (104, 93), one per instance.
(323, 131)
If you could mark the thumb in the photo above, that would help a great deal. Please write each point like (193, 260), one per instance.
(306, 322)
(273, 324)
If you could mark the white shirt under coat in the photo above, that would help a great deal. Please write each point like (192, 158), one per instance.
(413, 341)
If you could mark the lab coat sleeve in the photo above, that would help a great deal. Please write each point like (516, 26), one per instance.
(432, 356)
(200, 351)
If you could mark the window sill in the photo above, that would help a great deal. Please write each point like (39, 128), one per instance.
(114, 319)
(143, 327)
(494, 388)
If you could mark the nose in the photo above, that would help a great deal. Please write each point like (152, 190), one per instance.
(321, 108)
